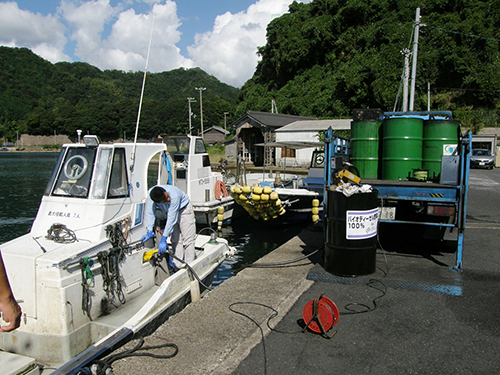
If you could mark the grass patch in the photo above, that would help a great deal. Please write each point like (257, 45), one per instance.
(216, 152)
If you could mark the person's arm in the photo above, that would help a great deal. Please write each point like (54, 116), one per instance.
(11, 312)
(150, 214)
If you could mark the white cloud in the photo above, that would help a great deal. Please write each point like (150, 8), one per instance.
(117, 37)
(42, 34)
(229, 51)
(127, 44)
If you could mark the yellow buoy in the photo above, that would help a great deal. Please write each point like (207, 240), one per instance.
(278, 203)
(273, 196)
(220, 210)
(267, 190)
(257, 190)
(247, 189)
(315, 202)
(220, 217)
(315, 218)
(255, 197)
(243, 197)
(264, 197)
(315, 210)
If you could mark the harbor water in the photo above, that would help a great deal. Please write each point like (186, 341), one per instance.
(24, 177)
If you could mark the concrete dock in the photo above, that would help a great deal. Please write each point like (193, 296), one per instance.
(414, 315)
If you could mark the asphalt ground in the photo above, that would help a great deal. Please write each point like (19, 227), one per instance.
(415, 314)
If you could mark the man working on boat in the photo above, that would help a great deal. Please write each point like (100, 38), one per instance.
(11, 312)
(167, 202)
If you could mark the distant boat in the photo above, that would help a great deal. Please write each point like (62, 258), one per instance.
(85, 282)
(296, 197)
(188, 165)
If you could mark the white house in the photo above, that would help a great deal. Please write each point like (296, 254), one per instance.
(302, 139)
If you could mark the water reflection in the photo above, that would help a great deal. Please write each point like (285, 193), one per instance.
(252, 240)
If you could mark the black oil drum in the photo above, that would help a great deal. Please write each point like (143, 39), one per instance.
(351, 233)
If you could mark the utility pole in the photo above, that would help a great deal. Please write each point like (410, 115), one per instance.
(225, 113)
(190, 100)
(406, 76)
(414, 62)
(201, 89)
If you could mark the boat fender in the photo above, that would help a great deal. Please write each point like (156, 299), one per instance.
(194, 288)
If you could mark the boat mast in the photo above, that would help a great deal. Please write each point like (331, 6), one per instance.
(142, 93)
(414, 61)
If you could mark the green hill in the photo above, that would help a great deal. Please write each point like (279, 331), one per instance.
(329, 57)
(41, 98)
(322, 59)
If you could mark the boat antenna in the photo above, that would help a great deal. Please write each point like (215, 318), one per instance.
(142, 92)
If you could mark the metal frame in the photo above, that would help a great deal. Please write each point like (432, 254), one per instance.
(415, 191)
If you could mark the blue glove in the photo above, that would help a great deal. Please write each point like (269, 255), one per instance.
(163, 247)
(147, 236)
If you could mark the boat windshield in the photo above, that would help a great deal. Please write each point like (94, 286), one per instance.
(178, 147)
(75, 172)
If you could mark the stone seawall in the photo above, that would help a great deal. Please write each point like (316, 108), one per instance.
(42, 140)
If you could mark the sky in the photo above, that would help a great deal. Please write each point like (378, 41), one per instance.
(219, 36)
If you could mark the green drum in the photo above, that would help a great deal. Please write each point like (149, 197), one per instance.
(438, 135)
(401, 147)
(365, 147)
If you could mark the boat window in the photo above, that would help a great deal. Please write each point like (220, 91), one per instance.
(199, 146)
(206, 161)
(53, 176)
(118, 184)
(101, 173)
(177, 145)
(76, 172)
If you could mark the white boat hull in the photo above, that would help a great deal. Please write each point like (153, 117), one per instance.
(80, 275)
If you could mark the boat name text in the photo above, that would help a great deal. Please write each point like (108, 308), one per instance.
(204, 181)
(67, 215)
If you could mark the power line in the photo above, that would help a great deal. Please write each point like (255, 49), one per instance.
(458, 33)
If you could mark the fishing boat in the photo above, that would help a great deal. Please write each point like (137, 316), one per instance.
(277, 205)
(84, 280)
(188, 166)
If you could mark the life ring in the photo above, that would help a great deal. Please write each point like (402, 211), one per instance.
(220, 190)
(75, 167)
